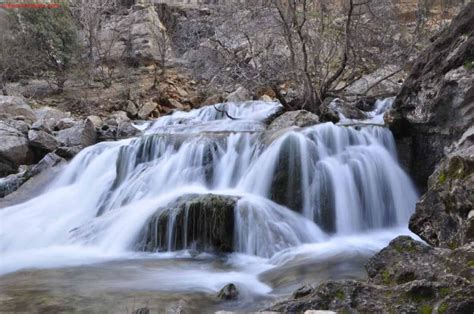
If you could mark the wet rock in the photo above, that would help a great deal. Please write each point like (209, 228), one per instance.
(239, 95)
(299, 118)
(281, 124)
(68, 152)
(12, 182)
(346, 110)
(302, 291)
(16, 107)
(407, 276)
(436, 103)
(42, 140)
(442, 214)
(229, 292)
(201, 222)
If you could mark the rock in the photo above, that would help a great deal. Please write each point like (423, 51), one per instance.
(405, 277)
(132, 36)
(147, 109)
(68, 152)
(212, 100)
(43, 125)
(239, 95)
(298, 118)
(388, 87)
(328, 115)
(289, 119)
(176, 104)
(201, 222)
(42, 140)
(436, 103)
(11, 183)
(120, 116)
(14, 149)
(49, 113)
(96, 121)
(229, 292)
(441, 216)
(345, 110)
(142, 310)
(64, 123)
(16, 107)
(266, 98)
(81, 134)
(20, 125)
(132, 109)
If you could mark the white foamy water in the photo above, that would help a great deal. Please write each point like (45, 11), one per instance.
(312, 191)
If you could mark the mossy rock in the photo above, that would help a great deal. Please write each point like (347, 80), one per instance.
(198, 222)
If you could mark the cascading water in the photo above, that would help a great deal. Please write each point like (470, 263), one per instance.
(310, 185)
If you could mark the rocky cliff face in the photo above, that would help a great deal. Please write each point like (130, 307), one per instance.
(436, 103)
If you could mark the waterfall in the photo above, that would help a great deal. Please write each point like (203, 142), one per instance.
(306, 186)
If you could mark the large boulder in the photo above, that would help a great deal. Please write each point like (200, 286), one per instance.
(14, 149)
(444, 215)
(16, 107)
(198, 222)
(42, 140)
(287, 120)
(436, 103)
(75, 138)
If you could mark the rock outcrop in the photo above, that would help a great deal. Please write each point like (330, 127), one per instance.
(444, 215)
(436, 103)
(198, 222)
(133, 36)
(405, 277)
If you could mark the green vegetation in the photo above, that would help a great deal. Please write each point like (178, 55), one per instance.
(340, 294)
(386, 278)
(51, 40)
(426, 309)
(442, 308)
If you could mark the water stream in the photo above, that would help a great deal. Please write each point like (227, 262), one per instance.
(311, 205)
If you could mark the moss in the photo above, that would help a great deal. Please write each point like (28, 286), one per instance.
(340, 294)
(469, 64)
(442, 178)
(443, 308)
(425, 309)
(470, 263)
(453, 245)
(444, 291)
(386, 278)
